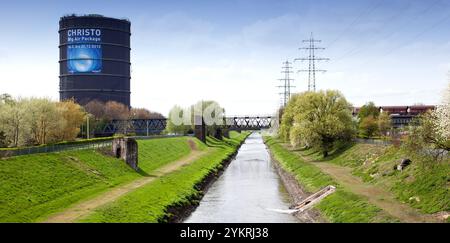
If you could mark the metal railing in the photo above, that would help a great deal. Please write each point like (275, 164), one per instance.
(66, 147)
(55, 148)
(374, 141)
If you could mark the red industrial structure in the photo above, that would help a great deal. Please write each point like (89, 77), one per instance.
(401, 115)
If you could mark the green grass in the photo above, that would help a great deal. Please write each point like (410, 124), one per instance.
(307, 174)
(154, 153)
(430, 186)
(34, 186)
(151, 202)
(342, 206)
(346, 207)
(375, 164)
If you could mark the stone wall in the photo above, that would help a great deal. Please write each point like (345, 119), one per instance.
(127, 150)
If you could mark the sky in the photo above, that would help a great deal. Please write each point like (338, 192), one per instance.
(392, 52)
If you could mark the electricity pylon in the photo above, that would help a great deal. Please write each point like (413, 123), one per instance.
(286, 82)
(312, 59)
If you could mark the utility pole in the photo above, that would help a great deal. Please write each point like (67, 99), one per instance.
(312, 59)
(286, 82)
(87, 127)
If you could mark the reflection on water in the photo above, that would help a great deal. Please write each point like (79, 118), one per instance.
(249, 190)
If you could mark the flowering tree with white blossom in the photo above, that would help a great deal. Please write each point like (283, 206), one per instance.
(442, 114)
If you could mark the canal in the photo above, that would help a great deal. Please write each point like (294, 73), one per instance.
(249, 190)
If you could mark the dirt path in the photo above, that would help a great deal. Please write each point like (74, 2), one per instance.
(374, 194)
(83, 209)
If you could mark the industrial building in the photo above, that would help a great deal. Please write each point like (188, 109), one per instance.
(401, 116)
(94, 59)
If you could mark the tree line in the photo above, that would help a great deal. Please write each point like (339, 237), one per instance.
(36, 121)
(182, 121)
(323, 121)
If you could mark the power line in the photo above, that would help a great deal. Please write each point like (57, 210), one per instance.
(312, 59)
(358, 49)
(367, 11)
(286, 82)
(415, 37)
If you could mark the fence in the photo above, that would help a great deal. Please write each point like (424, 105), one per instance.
(55, 148)
(374, 141)
(65, 147)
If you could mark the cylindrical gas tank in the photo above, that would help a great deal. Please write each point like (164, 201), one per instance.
(94, 59)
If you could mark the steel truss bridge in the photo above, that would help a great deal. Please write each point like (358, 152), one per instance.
(249, 122)
(156, 126)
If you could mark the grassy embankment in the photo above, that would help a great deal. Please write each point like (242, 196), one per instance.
(34, 186)
(342, 206)
(152, 202)
(423, 185)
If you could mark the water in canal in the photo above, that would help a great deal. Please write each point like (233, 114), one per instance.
(248, 191)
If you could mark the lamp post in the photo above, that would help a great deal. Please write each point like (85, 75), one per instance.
(87, 126)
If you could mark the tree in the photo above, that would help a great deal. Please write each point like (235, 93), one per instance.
(142, 113)
(287, 118)
(3, 140)
(182, 120)
(96, 108)
(368, 109)
(38, 121)
(431, 130)
(442, 115)
(43, 119)
(368, 126)
(116, 111)
(318, 119)
(213, 115)
(424, 137)
(72, 117)
(106, 112)
(12, 118)
(6, 99)
(384, 123)
(177, 122)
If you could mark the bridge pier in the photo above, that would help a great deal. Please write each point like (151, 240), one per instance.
(226, 133)
(200, 128)
(218, 133)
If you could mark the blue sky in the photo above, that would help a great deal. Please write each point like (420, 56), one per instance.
(393, 52)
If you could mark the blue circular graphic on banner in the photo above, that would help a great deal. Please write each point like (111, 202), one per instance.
(83, 59)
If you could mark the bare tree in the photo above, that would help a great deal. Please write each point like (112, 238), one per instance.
(142, 113)
(96, 108)
(116, 111)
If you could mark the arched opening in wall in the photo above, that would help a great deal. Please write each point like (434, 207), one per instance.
(118, 152)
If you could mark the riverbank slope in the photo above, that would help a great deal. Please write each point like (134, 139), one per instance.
(366, 176)
(36, 186)
(341, 206)
(171, 197)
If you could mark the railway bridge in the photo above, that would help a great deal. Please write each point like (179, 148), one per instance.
(156, 126)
